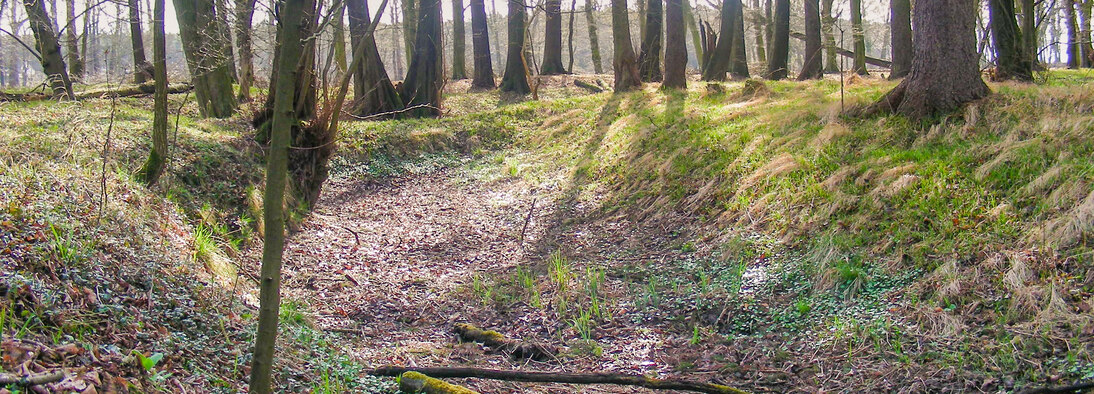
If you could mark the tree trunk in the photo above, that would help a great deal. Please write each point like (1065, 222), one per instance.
(480, 40)
(641, 5)
(529, 56)
(1086, 50)
(900, 13)
(1073, 59)
(75, 65)
(410, 28)
(552, 40)
(945, 71)
(338, 35)
(570, 37)
(245, 10)
(718, 60)
(676, 56)
(828, 27)
(858, 35)
(1029, 32)
(224, 31)
(53, 65)
(459, 46)
(515, 78)
(780, 42)
(594, 42)
(693, 26)
(649, 57)
(203, 46)
(425, 75)
(759, 24)
(159, 155)
(285, 80)
(372, 89)
(738, 60)
(141, 68)
(812, 68)
(1009, 60)
(624, 61)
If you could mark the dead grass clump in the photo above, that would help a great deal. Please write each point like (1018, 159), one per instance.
(1045, 181)
(896, 186)
(831, 132)
(1007, 152)
(781, 165)
(1073, 226)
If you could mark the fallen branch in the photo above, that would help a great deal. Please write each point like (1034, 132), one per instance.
(847, 53)
(416, 382)
(127, 91)
(499, 343)
(592, 88)
(560, 377)
(31, 380)
(1074, 388)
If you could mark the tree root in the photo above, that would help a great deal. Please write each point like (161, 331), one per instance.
(499, 343)
(557, 377)
(416, 382)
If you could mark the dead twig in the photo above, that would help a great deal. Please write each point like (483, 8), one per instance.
(527, 220)
(561, 377)
(31, 380)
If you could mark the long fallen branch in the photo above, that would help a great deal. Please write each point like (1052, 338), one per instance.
(31, 380)
(847, 53)
(124, 91)
(560, 377)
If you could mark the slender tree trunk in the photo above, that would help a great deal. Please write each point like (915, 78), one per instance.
(945, 71)
(157, 158)
(570, 37)
(245, 10)
(693, 26)
(812, 68)
(338, 34)
(1073, 54)
(594, 42)
(75, 65)
(396, 54)
(738, 60)
(373, 91)
(141, 68)
(769, 27)
(780, 42)
(285, 80)
(410, 28)
(900, 13)
(425, 75)
(719, 58)
(480, 40)
(552, 40)
(641, 5)
(224, 32)
(1029, 31)
(759, 24)
(1086, 50)
(203, 45)
(624, 60)
(529, 56)
(676, 56)
(858, 35)
(1010, 62)
(53, 65)
(649, 57)
(828, 27)
(459, 46)
(515, 78)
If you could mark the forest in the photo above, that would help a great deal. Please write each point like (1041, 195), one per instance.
(540, 196)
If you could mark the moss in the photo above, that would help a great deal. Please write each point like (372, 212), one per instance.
(416, 382)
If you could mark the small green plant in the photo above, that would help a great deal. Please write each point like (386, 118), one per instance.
(62, 245)
(696, 337)
(803, 306)
(205, 247)
(148, 363)
(687, 247)
(583, 324)
(560, 270)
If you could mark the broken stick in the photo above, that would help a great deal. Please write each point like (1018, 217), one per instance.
(497, 342)
(561, 377)
(31, 380)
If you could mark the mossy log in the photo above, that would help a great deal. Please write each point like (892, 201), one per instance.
(560, 377)
(416, 382)
(499, 343)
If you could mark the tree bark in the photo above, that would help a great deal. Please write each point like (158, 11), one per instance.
(410, 28)
(209, 67)
(425, 76)
(285, 80)
(1009, 59)
(570, 37)
(459, 42)
(900, 14)
(75, 65)
(559, 377)
(945, 71)
(858, 35)
(828, 27)
(552, 40)
(480, 40)
(624, 62)
(1029, 31)
(224, 31)
(693, 26)
(594, 41)
(141, 68)
(1086, 50)
(53, 65)
(758, 23)
(338, 35)
(515, 78)
(1073, 59)
(649, 57)
(373, 91)
(738, 60)
(778, 57)
(676, 56)
(812, 68)
(160, 154)
(245, 10)
(718, 60)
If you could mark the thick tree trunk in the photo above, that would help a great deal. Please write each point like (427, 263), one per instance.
(1073, 56)
(676, 56)
(718, 60)
(459, 42)
(159, 155)
(624, 61)
(372, 89)
(1029, 31)
(338, 35)
(53, 65)
(594, 41)
(245, 10)
(515, 78)
(142, 70)
(812, 68)
(1009, 60)
(858, 35)
(828, 27)
(649, 57)
(224, 30)
(480, 40)
(738, 60)
(75, 65)
(425, 76)
(945, 72)
(410, 28)
(900, 14)
(209, 67)
(552, 40)
(285, 81)
(779, 55)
